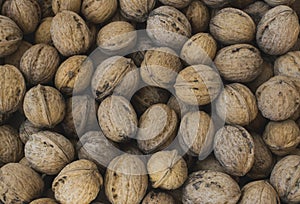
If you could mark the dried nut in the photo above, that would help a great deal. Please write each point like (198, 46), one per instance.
(126, 180)
(118, 75)
(119, 17)
(25, 162)
(278, 98)
(70, 5)
(158, 197)
(46, 8)
(95, 147)
(15, 58)
(160, 67)
(282, 137)
(74, 75)
(26, 13)
(199, 49)
(273, 29)
(49, 152)
(10, 36)
(198, 85)
(280, 2)
(143, 44)
(167, 170)
(209, 163)
(285, 177)
(259, 192)
(210, 187)
(117, 118)
(176, 3)
(42, 34)
(198, 15)
(237, 105)
(137, 10)
(39, 64)
(26, 130)
(216, 3)
(237, 28)
(70, 34)
(234, 149)
(167, 26)
(180, 107)
(288, 64)
(44, 106)
(157, 128)
(239, 63)
(11, 148)
(44, 201)
(78, 178)
(241, 3)
(257, 10)
(197, 133)
(19, 184)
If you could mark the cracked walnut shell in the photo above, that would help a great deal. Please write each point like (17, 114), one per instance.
(137, 10)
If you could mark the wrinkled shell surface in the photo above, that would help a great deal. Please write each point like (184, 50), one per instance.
(209, 163)
(43, 201)
(42, 34)
(257, 10)
(176, 3)
(70, 5)
(288, 64)
(280, 2)
(160, 197)
(198, 15)
(15, 58)
(216, 3)
(137, 10)
(46, 8)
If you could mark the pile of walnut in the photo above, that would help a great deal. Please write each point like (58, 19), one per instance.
(74, 130)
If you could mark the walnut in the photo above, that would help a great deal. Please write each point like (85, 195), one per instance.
(216, 3)
(158, 197)
(143, 44)
(42, 34)
(198, 15)
(180, 107)
(26, 130)
(288, 64)
(280, 2)
(176, 3)
(15, 58)
(70, 5)
(257, 10)
(43, 201)
(46, 8)
(209, 163)
(137, 10)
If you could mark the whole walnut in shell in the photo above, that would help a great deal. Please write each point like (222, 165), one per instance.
(26, 130)
(216, 3)
(176, 3)
(15, 58)
(136, 10)
(288, 64)
(19, 184)
(126, 180)
(210, 187)
(158, 197)
(43, 201)
(198, 15)
(70, 5)
(280, 2)
(46, 8)
(44, 106)
(42, 34)
(257, 10)
(82, 178)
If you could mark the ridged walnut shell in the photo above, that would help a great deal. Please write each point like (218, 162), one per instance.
(280, 2)
(46, 8)
(216, 3)
(137, 10)
(42, 34)
(176, 3)
(26, 130)
(43, 201)
(198, 15)
(70, 5)
(288, 64)
(257, 10)
(15, 58)
(158, 197)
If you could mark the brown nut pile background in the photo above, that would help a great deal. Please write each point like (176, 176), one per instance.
(149, 102)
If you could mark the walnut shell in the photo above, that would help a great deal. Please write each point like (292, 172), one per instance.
(70, 34)
(11, 148)
(216, 3)
(46, 8)
(25, 162)
(158, 197)
(210, 187)
(44, 106)
(126, 180)
(273, 29)
(280, 2)
(285, 177)
(19, 184)
(26, 13)
(180, 107)
(39, 64)
(157, 128)
(15, 58)
(136, 10)
(43, 201)
(257, 10)
(209, 163)
(288, 64)
(82, 178)
(176, 3)
(237, 28)
(167, 170)
(42, 34)
(70, 5)
(198, 15)
(234, 149)
(12, 86)
(198, 85)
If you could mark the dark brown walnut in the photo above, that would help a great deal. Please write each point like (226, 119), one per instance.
(237, 28)
(241, 3)
(46, 8)
(260, 192)
(11, 147)
(280, 2)
(82, 178)
(176, 3)
(216, 3)
(239, 63)
(288, 65)
(234, 149)
(210, 187)
(273, 29)
(42, 34)
(15, 58)
(258, 124)
(44, 106)
(26, 13)
(198, 85)
(180, 107)
(157, 128)
(19, 184)
(198, 15)
(167, 26)
(136, 10)
(158, 197)
(70, 5)
(257, 10)
(70, 34)
(43, 201)
(209, 163)
(39, 64)
(285, 178)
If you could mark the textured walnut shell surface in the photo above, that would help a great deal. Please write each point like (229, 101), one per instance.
(278, 98)
(158, 197)
(126, 180)
(285, 178)
(167, 26)
(198, 15)
(273, 29)
(209, 163)
(260, 192)
(210, 187)
(44, 106)
(237, 28)
(25, 162)
(237, 105)
(257, 10)
(43, 201)
(39, 64)
(70, 34)
(160, 67)
(239, 63)
(70, 5)
(176, 3)
(288, 64)
(11, 147)
(198, 85)
(234, 149)
(15, 58)
(157, 128)
(180, 107)
(280, 2)
(167, 170)
(78, 178)
(137, 10)
(19, 184)
(117, 118)
(216, 3)
(42, 34)
(46, 8)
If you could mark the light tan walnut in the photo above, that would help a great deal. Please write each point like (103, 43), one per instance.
(43, 201)
(70, 5)
(42, 34)
(280, 2)
(158, 197)
(137, 10)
